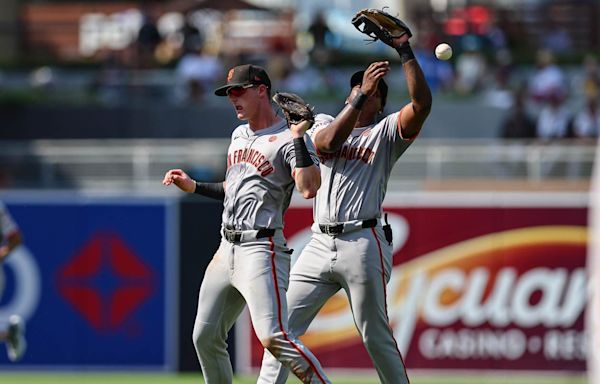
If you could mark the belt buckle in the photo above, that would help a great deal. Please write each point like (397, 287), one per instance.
(231, 236)
(333, 230)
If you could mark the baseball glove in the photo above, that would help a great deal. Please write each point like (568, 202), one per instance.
(380, 25)
(294, 108)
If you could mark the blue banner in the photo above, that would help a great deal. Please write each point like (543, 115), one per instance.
(91, 282)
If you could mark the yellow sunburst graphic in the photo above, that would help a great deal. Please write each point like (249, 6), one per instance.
(334, 324)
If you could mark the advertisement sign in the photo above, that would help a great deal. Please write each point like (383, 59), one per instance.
(91, 282)
(473, 286)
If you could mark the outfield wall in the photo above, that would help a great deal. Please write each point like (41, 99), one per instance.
(479, 282)
(94, 281)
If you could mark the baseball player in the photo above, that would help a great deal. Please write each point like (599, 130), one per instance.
(350, 249)
(264, 161)
(10, 238)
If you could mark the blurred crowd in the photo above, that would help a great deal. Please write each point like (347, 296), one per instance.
(544, 101)
(189, 53)
(552, 105)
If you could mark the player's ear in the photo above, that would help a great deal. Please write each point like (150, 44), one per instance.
(262, 89)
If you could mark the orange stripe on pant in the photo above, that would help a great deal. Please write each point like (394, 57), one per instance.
(279, 315)
(385, 296)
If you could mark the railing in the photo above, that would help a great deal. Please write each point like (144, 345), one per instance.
(106, 164)
(141, 164)
(486, 164)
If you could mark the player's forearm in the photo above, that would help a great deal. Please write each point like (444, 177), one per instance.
(308, 181)
(13, 241)
(213, 190)
(413, 116)
(418, 89)
(332, 138)
(4, 251)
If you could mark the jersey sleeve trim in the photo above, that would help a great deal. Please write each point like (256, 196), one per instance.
(237, 132)
(322, 121)
(411, 138)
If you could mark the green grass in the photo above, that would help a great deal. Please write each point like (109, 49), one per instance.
(148, 378)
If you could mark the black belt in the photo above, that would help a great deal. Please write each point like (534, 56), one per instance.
(337, 229)
(234, 236)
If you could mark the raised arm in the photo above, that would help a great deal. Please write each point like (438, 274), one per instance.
(330, 139)
(306, 174)
(413, 114)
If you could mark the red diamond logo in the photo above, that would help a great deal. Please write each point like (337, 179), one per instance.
(105, 281)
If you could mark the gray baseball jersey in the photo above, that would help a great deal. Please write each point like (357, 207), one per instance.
(354, 179)
(358, 259)
(253, 269)
(259, 178)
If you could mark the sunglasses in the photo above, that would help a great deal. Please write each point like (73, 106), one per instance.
(239, 90)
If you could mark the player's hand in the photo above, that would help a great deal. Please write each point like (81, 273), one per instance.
(181, 179)
(373, 74)
(4, 251)
(398, 41)
(298, 130)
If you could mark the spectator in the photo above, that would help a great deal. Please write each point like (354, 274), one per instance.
(191, 37)
(470, 66)
(591, 80)
(554, 122)
(106, 86)
(320, 54)
(500, 94)
(496, 36)
(147, 40)
(556, 38)
(585, 128)
(438, 73)
(280, 48)
(319, 30)
(586, 123)
(554, 119)
(518, 124)
(196, 72)
(429, 35)
(548, 81)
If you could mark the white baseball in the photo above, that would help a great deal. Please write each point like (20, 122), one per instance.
(443, 51)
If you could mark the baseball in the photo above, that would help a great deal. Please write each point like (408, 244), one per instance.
(443, 51)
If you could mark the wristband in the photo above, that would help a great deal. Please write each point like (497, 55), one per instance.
(303, 158)
(359, 100)
(213, 190)
(405, 53)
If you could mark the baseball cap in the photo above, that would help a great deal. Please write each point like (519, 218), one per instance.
(244, 75)
(357, 78)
